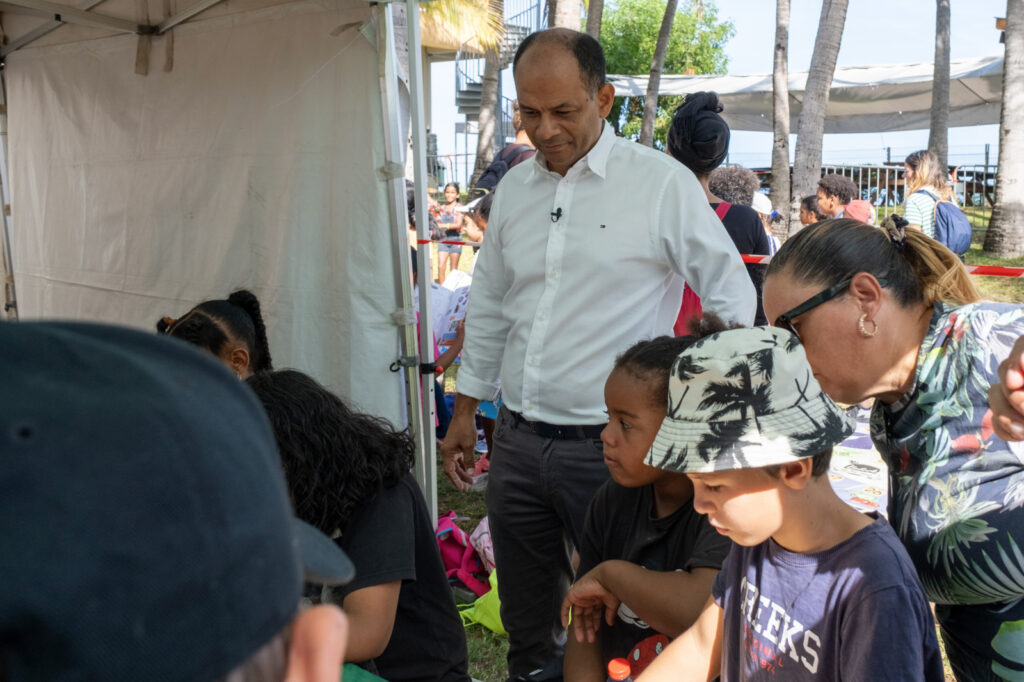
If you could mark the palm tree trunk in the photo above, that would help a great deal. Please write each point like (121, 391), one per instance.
(780, 184)
(938, 137)
(564, 14)
(595, 9)
(486, 123)
(1005, 236)
(654, 82)
(811, 127)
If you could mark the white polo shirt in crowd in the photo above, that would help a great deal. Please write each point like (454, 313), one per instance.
(575, 270)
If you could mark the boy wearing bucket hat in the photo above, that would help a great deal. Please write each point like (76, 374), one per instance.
(813, 590)
(147, 533)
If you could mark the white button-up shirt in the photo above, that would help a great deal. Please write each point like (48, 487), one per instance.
(576, 269)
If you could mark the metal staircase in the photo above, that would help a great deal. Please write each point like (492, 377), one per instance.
(522, 17)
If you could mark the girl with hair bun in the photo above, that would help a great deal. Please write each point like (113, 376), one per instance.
(699, 139)
(893, 315)
(232, 329)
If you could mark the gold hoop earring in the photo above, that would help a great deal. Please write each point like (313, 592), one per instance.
(863, 328)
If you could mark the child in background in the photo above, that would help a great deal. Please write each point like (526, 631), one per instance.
(813, 590)
(809, 213)
(452, 220)
(647, 559)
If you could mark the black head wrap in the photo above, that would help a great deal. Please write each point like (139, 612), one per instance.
(698, 136)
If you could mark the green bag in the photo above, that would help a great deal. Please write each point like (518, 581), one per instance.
(353, 673)
(486, 610)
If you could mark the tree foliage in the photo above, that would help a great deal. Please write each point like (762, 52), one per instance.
(629, 32)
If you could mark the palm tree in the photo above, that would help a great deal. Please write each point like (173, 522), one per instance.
(595, 11)
(487, 117)
(780, 185)
(564, 14)
(654, 82)
(938, 137)
(458, 23)
(811, 127)
(1005, 236)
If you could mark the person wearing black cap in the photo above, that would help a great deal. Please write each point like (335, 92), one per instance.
(699, 139)
(147, 533)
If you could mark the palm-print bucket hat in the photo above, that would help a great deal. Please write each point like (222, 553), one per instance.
(743, 399)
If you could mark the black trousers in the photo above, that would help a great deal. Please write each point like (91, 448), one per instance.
(538, 491)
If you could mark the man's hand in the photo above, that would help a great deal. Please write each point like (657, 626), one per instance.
(1007, 397)
(458, 448)
(589, 600)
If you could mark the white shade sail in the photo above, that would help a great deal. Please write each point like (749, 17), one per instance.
(863, 99)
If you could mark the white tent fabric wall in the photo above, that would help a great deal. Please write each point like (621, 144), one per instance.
(862, 99)
(253, 163)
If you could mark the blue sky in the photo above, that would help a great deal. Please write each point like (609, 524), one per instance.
(876, 32)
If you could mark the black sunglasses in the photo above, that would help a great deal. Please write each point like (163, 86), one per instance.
(785, 320)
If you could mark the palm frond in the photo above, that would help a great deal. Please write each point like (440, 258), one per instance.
(475, 24)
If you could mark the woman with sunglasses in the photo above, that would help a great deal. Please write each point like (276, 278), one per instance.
(893, 315)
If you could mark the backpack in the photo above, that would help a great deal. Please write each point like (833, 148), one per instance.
(509, 156)
(461, 562)
(952, 227)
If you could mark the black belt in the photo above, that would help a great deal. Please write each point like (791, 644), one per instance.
(562, 431)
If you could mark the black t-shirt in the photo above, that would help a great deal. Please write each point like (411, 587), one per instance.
(747, 232)
(392, 539)
(619, 526)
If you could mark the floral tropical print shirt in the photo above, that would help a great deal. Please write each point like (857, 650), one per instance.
(956, 497)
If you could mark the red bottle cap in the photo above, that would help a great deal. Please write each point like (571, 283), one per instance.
(618, 669)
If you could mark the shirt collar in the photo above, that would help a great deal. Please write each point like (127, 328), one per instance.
(596, 159)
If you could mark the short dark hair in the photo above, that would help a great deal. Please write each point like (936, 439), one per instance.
(839, 186)
(810, 203)
(211, 323)
(588, 53)
(819, 465)
(483, 207)
(652, 360)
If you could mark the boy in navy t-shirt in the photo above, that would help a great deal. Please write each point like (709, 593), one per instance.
(813, 590)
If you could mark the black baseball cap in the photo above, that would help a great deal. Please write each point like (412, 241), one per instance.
(145, 527)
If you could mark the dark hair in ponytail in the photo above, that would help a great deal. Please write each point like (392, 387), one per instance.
(919, 270)
(652, 360)
(212, 323)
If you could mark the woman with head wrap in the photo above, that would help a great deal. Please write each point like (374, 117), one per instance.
(699, 139)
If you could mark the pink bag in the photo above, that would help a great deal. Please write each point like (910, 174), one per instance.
(480, 538)
(459, 557)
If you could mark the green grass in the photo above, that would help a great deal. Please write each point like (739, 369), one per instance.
(486, 649)
(1006, 289)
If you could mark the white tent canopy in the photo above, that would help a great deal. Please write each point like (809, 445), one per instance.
(262, 148)
(862, 98)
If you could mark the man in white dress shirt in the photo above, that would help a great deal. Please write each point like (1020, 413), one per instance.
(587, 249)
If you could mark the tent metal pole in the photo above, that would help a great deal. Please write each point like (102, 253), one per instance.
(419, 153)
(10, 297)
(36, 34)
(419, 387)
(73, 15)
(170, 22)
